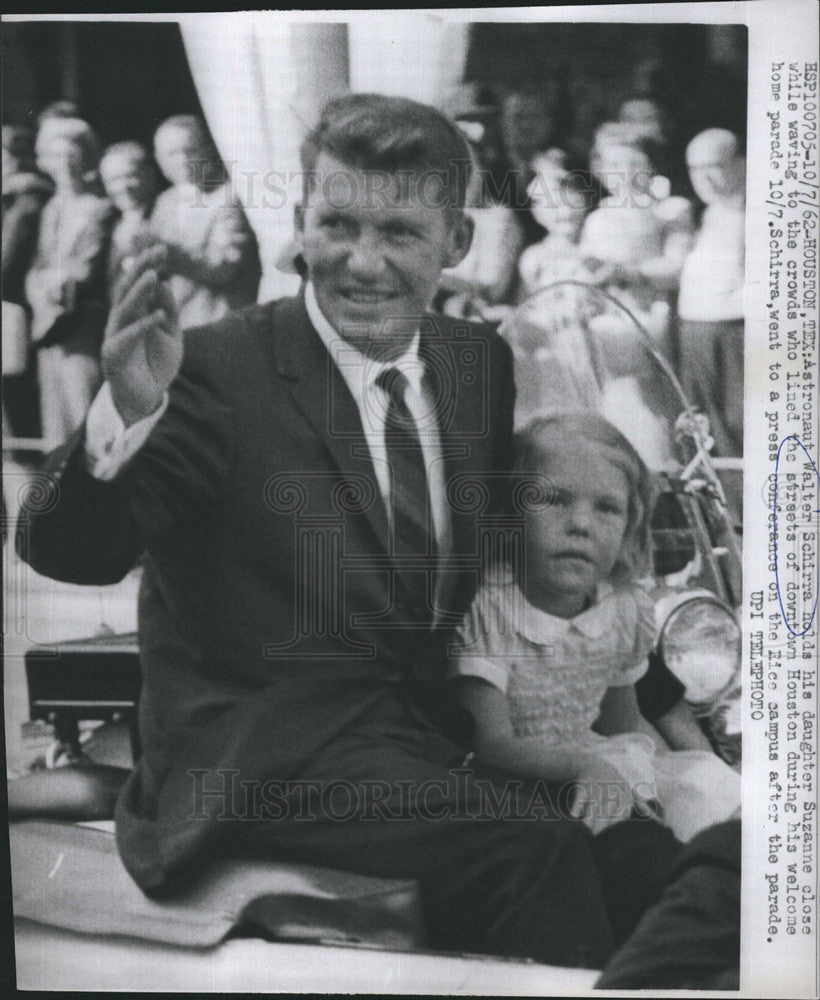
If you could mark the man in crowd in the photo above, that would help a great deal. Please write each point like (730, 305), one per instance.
(130, 181)
(65, 286)
(308, 483)
(213, 260)
(710, 304)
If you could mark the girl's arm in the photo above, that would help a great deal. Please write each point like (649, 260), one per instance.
(496, 743)
(603, 795)
(680, 729)
(620, 714)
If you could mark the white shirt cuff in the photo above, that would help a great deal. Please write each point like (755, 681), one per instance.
(109, 444)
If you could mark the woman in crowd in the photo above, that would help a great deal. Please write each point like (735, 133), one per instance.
(66, 285)
(634, 246)
(25, 192)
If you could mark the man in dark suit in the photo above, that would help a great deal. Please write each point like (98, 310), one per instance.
(309, 484)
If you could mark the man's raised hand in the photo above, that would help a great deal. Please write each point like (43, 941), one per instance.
(142, 349)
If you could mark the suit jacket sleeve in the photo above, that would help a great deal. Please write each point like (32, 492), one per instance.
(75, 528)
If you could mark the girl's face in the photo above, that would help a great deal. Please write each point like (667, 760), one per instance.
(563, 218)
(574, 538)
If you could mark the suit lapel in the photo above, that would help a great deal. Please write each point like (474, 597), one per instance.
(320, 393)
(456, 368)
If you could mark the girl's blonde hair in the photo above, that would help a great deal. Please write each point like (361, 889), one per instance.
(546, 435)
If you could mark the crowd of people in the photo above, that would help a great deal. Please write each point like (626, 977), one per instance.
(599, 207)
(543, 657)
(653, 218)
(74, 217)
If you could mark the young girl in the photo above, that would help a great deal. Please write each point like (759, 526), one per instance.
(553, 366)
(560, 202)
(634, 245)
(636, 241)
(552, 647)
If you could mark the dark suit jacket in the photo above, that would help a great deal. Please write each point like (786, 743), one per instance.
(267, 614)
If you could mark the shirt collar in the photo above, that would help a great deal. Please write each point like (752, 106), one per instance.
(542, 628)
(359, 371)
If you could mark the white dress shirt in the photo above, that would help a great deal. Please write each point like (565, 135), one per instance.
(711, 284)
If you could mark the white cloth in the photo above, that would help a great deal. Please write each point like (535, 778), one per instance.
(15, 338)
(711, 284)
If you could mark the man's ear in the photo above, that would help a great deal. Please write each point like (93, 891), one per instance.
(461, 238)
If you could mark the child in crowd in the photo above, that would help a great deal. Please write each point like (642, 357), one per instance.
(551, 649)
(560, 202)
(636, 241)
(130, 181)
(634, 246)
(213, 259)
(553, 367)
(710, 305)
(65, 286)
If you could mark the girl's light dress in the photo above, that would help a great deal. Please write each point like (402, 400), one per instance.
(555, 672)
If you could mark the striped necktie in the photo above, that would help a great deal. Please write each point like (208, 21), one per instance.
(413, 534)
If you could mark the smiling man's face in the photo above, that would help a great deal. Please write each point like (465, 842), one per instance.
(375, 245)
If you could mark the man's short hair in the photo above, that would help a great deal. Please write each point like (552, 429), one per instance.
(390, 134)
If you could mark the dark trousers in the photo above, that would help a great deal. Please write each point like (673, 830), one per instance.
(501, 869)
(691, 938)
